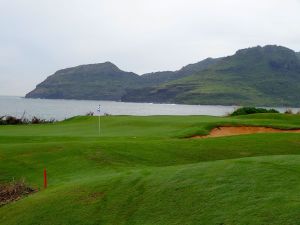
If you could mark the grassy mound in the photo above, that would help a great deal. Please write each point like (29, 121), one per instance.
(141, 171)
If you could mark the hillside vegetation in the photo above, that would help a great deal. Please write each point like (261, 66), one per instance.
(105, 81)
(258, 76)
(268, 76)
(142, 171)
(96, 81)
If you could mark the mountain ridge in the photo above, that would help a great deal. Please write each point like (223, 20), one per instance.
(65, 83)
(100, 75)
(268, 76)
(257, 78)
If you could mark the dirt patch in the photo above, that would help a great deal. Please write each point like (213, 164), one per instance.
(13, 191)
(231, 131)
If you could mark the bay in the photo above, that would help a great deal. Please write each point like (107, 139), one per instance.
(61, 109)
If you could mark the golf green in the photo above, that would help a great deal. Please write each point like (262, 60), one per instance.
(148, 171)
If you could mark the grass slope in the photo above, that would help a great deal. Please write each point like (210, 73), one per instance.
(141, 171)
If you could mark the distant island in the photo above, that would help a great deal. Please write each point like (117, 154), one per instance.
(257, 76)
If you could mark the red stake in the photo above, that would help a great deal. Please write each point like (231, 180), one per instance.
(45, 178)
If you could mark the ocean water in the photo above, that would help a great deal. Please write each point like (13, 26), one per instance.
(61, 109)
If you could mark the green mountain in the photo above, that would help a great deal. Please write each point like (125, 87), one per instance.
(268, 76)
(151, 79)
(105, 81)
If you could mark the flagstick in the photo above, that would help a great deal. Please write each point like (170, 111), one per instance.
(99, 111)
(99, 125)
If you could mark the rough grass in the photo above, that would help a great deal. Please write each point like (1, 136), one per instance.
(141, 171)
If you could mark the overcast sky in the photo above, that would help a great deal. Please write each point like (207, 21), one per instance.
(38, 37)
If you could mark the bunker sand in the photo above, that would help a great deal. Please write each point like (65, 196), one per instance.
(232, 131)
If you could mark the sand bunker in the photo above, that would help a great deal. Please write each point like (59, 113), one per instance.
(231, 131)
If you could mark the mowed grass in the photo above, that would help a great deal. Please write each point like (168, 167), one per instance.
(144, 171)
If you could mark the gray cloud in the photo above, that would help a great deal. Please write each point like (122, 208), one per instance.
(39, 37)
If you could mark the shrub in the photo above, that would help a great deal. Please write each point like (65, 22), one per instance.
(11, 120)
(36, 120)
(251, 110)
(288, 111)
(89, 113)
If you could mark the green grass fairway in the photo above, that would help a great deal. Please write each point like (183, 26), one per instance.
(144, 171)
